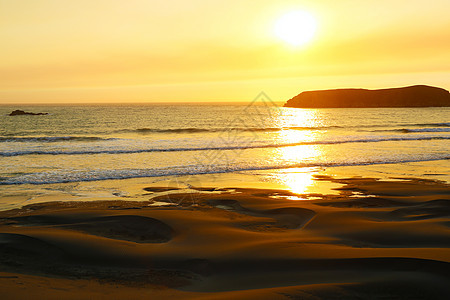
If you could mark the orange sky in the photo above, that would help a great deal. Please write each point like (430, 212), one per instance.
(210, 50)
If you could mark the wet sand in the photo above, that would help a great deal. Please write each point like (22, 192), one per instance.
(372, 239)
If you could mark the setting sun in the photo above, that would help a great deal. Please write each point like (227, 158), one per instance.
(296, 28)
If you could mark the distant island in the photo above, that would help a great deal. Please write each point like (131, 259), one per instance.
(19, 112)
(411, 96)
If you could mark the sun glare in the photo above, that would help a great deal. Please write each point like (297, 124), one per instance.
(296, 28)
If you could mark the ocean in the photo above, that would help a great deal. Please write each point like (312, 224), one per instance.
(95, 143)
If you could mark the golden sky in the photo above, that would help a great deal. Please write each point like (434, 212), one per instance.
(211, 50)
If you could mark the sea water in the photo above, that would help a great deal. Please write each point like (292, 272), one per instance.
(80, 143)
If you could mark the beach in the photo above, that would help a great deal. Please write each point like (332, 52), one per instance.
(224, 201)
(225, 150)
(365, 237)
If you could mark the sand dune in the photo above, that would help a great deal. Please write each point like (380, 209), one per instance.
(133, 228)
(379, 239)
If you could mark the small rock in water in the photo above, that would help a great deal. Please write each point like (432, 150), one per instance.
(19, 112)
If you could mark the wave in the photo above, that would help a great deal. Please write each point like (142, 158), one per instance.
(434, 125)
(405, 125)
(218, 147)
(253, 129)
(14, 138)
(409, 130)
(96, 175)
(266, 129)
(176, 130)
(53, 139)
(241, 129)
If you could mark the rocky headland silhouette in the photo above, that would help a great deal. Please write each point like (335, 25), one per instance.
(411, 96)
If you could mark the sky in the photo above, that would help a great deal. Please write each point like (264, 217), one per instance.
(65, 51)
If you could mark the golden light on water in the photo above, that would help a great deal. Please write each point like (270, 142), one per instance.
(296, 136)
(298, 154)
(299, 127)
(299, 119)
(299, 180)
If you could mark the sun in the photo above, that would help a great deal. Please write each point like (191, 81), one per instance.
(296, 27)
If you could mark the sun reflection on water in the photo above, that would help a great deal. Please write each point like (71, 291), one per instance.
(299, 180)
(299, 118)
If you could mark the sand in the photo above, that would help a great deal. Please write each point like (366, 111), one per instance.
(373, 239)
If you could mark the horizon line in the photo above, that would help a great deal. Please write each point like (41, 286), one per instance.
(136, 103)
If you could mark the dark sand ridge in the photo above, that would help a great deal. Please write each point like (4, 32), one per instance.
(379, 239)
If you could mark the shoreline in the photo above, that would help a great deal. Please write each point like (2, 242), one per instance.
(297, 180)
(371, 237)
